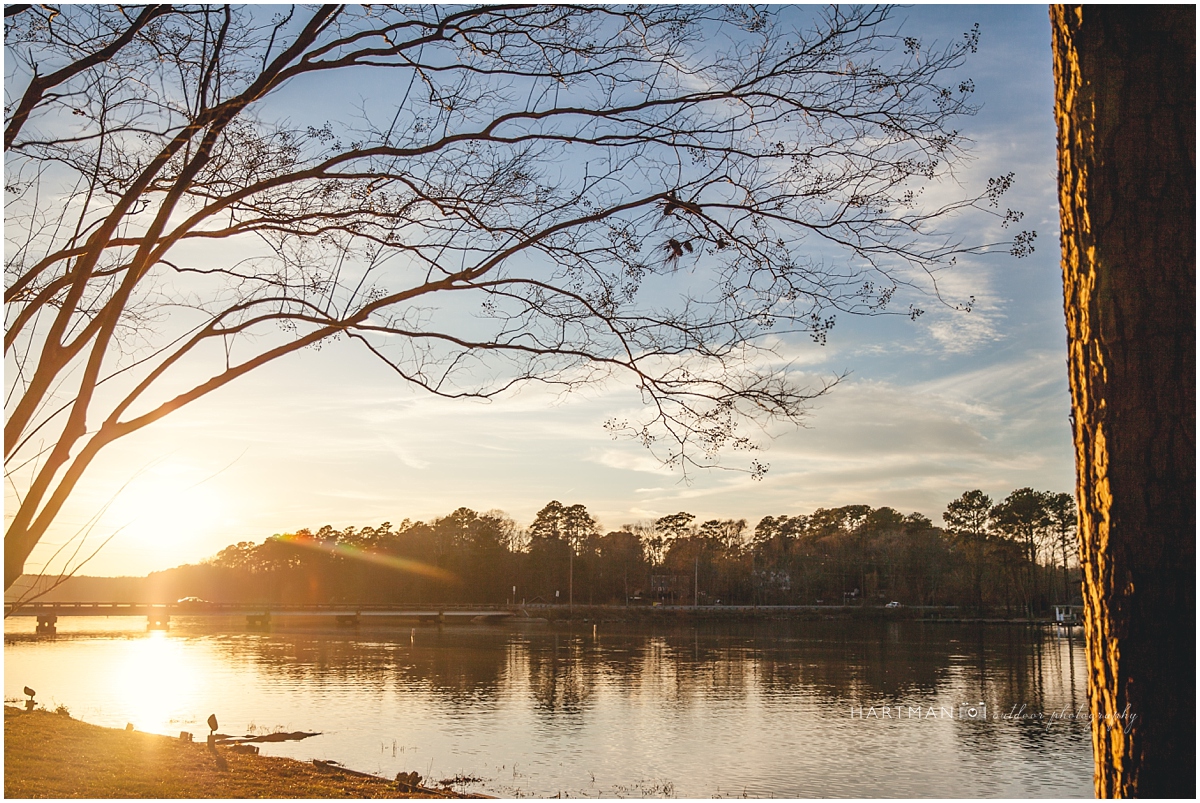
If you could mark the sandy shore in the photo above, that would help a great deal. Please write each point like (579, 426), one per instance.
(52, 755)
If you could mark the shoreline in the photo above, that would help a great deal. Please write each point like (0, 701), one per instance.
(536, 611)
(751, 613)
(51, 755)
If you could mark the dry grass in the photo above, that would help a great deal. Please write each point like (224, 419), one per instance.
(52, 755)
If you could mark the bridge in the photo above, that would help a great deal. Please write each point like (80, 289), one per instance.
(258, 616)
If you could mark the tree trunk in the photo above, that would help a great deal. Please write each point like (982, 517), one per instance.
(1126, 112)
(18, 543)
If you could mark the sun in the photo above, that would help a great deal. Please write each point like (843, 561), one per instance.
(166, 511)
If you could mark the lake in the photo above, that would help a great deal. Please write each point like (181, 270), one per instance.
(775, 709)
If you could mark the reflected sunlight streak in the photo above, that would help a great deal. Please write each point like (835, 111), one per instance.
(155, 679)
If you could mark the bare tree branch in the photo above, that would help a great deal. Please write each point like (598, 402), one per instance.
(554, 194)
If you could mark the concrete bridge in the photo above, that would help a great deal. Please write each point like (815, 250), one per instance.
(258, 617)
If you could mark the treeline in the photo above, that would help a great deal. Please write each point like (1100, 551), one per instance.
(1014, 556)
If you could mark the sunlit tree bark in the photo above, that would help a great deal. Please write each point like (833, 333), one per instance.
(1126, 112)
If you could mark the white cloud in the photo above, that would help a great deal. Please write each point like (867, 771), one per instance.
(626, 460)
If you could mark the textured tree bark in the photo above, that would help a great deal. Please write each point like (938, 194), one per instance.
(1126, 112)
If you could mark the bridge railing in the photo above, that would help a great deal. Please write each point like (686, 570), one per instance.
(139, 608)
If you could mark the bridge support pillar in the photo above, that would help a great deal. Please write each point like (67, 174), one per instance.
(158, 621)
(46, 624)
(258, 621)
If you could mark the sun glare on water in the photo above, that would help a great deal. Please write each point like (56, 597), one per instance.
(158, 683)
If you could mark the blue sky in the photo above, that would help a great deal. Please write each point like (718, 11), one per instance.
(929, 408)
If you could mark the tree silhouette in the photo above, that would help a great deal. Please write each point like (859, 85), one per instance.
(970, 513)
(1063, 518)
(967, 518)
(552, 194)
(1022, 517)
(558, 534)
(469, 557)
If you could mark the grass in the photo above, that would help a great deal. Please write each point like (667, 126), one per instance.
(51, 755)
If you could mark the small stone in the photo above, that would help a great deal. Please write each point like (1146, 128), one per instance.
(408, 779)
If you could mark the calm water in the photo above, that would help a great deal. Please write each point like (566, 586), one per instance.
(764, 710)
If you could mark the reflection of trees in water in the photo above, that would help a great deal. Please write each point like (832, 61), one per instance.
(856, 662)
(561, 672)
(566, 670)
(561, 678)
(1051, 687)
(1017, 674)
(676, 667)
(1024, 675)
(460, 672)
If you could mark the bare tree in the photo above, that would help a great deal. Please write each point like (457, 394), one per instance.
(522, 193)
(1023, 518)
(1064, 521)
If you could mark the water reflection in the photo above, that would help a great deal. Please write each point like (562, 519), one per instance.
(154, 672)
(765, 709)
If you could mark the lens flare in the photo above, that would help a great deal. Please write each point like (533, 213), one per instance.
(356, 553)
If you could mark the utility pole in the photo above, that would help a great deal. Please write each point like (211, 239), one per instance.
(570, 577)
(753, 579)
(696, 584)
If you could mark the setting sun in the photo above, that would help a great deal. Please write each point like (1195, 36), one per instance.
(166, 511)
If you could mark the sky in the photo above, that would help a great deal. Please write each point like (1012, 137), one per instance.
(928, 408)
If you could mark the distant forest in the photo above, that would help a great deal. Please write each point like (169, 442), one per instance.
(1016, 556)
